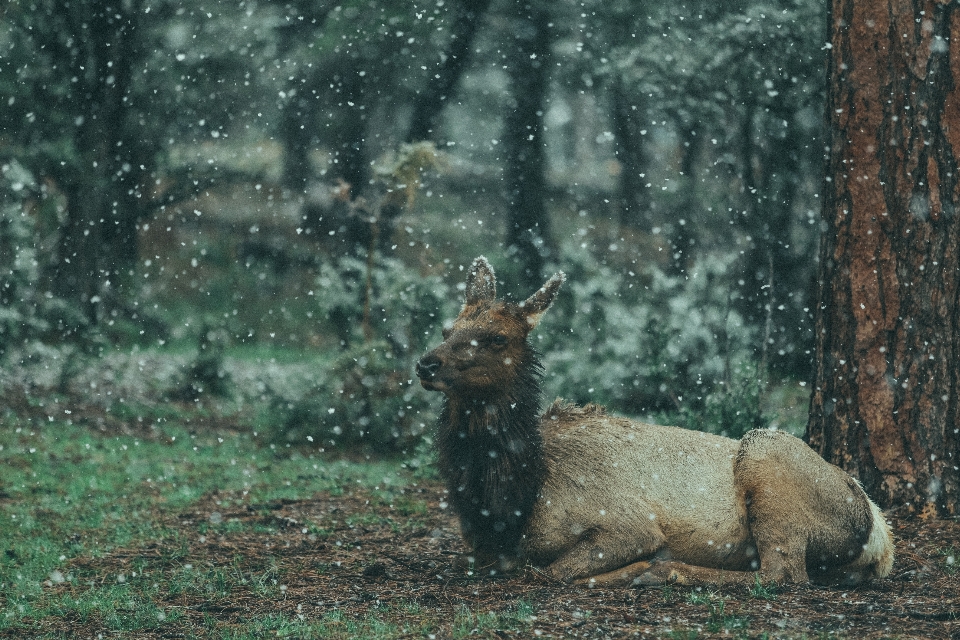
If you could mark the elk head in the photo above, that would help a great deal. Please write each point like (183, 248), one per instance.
(486, 346)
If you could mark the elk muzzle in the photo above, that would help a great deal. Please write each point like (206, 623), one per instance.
(427, 368)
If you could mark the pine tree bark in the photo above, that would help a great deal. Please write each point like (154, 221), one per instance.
(887, 379)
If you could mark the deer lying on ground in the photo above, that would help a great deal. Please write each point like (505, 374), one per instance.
(593, 497)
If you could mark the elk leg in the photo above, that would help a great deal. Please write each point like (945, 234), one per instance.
(779, 560)
(780, 537)
(600, 552)
(621, 577)
(671, 572)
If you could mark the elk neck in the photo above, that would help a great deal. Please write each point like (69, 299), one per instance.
(491, 456)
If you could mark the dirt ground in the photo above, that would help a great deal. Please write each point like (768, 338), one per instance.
(365, 558)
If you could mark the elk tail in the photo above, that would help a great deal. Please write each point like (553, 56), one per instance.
(877, 556)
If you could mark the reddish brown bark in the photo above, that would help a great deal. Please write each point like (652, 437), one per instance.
(885, 401)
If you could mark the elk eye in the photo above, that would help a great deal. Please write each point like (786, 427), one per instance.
(499, 340)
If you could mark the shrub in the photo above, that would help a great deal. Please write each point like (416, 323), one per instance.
(731, 409)
(384, 314)
(369, 401)
(648, 342)
(207, 374)
(26, 312)
(18, 261)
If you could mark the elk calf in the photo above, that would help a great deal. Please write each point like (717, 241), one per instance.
(592, 496)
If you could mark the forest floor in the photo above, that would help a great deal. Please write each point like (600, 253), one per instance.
(351, 566)
(117, 528)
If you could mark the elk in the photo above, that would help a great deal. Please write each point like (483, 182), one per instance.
(591, 497)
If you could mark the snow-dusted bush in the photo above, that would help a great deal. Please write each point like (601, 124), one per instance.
(384, 300)
(645, 342)
(367, 400)
(26, 312)
(384, 314)
(18, 261)
(207, 374)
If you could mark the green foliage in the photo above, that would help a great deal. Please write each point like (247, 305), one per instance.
(70, 492)
(385, 314)
(467, 622)
(950, 564)
(719, 620)
(18, 259)
(207, 374)
(739, 87)
(642, 342)
(26, 312)
(383, 299)
(730, 409)
(699, 596)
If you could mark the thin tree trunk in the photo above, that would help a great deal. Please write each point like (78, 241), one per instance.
(527, 221)
(885, 401)
(441, 83)
(296, 123)
(351, 163)
(682, 237)
(78, 274)
(634, 196)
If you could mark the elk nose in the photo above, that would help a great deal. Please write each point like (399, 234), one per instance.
(428, 366)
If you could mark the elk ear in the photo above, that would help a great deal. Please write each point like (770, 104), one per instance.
(481, 282)
(535, 305)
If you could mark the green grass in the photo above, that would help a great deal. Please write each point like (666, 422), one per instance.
(68, 492)
(720, 620)
(760, 591)
(467, 622)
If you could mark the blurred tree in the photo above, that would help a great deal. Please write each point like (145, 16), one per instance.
(442, 81)
(71, 87)
(353, 69)
(298, 26)
(886, 401)
(363, 63)
(606, 39)
(18, 259)
(528, 58)
(629, 119)
(772, 57)
(97, 91)
(738, 84)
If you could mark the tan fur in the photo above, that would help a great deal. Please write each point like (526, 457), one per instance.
(620, 501)
(619, 491)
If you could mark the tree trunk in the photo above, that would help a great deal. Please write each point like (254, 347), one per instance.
(885, 401)
(440, 85)
(682, 235)
(628, 120)
(78, 274)
(527, 220)
(98, 244)
(297, 121)
(351, 162)
(298, 117)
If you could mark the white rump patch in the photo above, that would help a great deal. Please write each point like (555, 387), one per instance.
(878, 551)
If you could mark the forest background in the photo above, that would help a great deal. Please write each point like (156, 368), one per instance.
(228, 230)
(221, 181)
